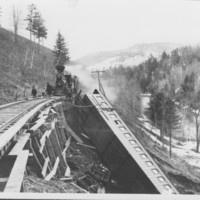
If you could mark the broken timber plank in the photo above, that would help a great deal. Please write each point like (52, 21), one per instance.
(44, 112)
(42, 158)
(51, 153)
(46, 134)
(15, 180)
(85, 145)
(53, 110)
(43, 147)
(61, 136)
(39, 123)
(21, 142)
(57, 150)
(68, 171)
(66, 147)
(74, 135)
(53, 172)
(69, 130)
(85, 136)
(44, 169)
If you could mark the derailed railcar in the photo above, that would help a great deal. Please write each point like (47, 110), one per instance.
(121, 151)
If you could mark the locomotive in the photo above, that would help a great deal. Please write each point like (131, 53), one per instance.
(66, 84)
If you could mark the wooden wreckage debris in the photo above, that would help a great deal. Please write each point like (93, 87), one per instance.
(94, 179)
(47, 141)
(50, 145)
(50, 137)
(99, 172)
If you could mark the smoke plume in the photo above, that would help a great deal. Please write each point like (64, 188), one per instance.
(89, 81)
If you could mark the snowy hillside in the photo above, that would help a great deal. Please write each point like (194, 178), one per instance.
(118, 61)
(127, 57)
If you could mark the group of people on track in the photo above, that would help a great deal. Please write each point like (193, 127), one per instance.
(47, 92)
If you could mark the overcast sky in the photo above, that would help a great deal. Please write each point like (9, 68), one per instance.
(95, 25)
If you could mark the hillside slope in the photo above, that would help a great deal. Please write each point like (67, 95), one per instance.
(126, 57)
(22, 65)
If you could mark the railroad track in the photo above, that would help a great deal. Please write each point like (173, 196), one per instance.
(17, 121)
(14, 116)
(10, 113)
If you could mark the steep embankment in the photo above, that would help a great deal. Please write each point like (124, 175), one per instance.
(22, 64)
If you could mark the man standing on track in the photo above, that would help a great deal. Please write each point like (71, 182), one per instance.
(49, 89)
(34, 91)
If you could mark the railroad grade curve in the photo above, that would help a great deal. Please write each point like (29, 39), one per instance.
(116, 143)
(14, 116)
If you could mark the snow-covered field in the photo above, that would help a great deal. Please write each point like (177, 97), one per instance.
(185, 151)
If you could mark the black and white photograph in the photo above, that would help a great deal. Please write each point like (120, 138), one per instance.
(99, 99)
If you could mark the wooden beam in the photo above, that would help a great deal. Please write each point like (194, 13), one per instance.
(85, 145)
(34, 154)
(74, 135)
(21, 142)
(66, 147)
(43, 139)
(46, 134)
(39, 123)
(44, 112)
(42, 157)
(53, 172)
(58, 151)
(68, 171)
(44, 169)
(53, 111)
(15, 180)
(53, 124)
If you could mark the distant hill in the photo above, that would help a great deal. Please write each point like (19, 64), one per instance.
(126, 57)
(17, 72)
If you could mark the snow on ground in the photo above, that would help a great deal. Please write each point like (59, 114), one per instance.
(185, 150)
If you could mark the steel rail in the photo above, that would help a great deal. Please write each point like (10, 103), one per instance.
(16, 117)
(9, 133)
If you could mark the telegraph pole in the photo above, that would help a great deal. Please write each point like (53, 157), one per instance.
(99, 81)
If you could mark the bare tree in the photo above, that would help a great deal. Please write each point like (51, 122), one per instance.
(17, 21)
(32, 57)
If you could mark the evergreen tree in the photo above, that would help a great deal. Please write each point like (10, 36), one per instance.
(163, 114)
(40, 29)
(36, 24)
(60, 51)
(155, 112)
(175, 57)
(29, 18)
(164, 56)
(188, 85)
(194, 103)
(171, 120)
